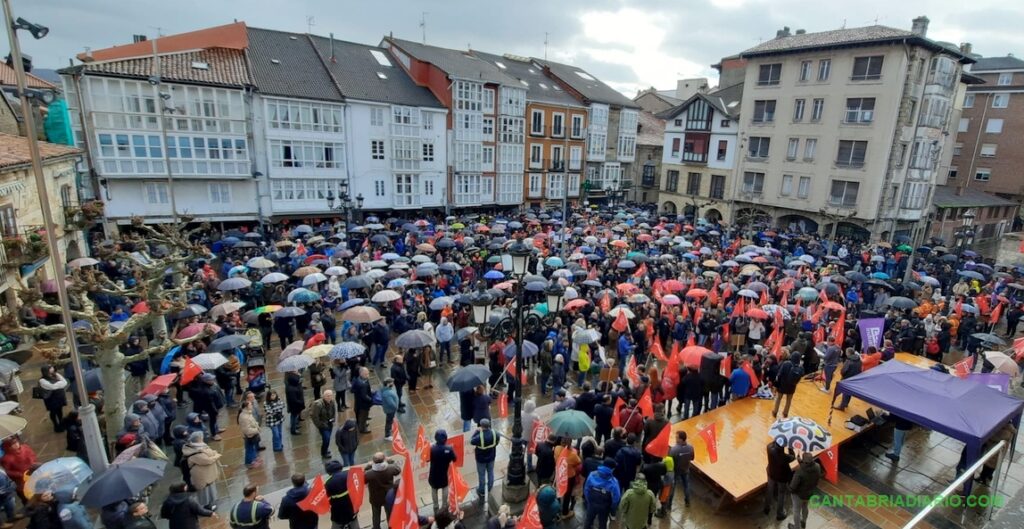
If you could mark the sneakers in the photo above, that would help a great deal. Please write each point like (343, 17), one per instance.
(823, 390)
(893, 457)
(388, 438)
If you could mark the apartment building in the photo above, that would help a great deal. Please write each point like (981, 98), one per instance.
(483, 170)
(612, 128)
(862, 115)
(556, 125)
(644, 177)
(699, 154)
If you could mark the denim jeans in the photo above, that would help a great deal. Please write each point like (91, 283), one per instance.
(799, 512)
(466, 424)
(679, 481)
(294, 422)
(349, 458)
(378, 355)
(544, 382)
(445, 352)
(7, 505)
(325, 441)
(711, 400)
(252, 445)
(594, 514)
(897, 441)
(485, 470)
(275, 435)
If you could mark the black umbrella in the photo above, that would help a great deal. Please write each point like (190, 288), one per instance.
(357, 282)
(381, 239)
(122, 481)
(468, 377)
(856, 276)
(414, 339)
(901, 302)
(988, 338)
(880, 283)
(225, 343)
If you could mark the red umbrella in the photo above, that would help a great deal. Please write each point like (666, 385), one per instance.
(692, 353)
(698, 293)
(576, 304)
(316, 339)
(673, 285)
(645, 237)
(757, 313)
(314, 257)
(627, 288)
(159, 384)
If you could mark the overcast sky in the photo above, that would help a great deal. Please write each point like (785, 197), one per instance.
(628, 44)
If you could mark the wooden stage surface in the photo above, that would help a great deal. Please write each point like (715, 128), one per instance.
(742, 433)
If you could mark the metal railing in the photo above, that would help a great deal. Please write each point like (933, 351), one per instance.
(968, 474)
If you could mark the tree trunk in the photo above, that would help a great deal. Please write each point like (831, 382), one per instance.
(111, 362)
(159, 325)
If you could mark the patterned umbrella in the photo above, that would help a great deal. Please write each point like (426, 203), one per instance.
(346, 350)
(797, 432)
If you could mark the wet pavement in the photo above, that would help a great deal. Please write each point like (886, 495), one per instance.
(925, 468)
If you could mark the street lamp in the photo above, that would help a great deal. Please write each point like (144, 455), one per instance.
(966, 235)
(345, 204)
(520, 321)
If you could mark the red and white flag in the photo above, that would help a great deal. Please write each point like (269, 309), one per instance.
(562, 473)
(538, 435)
(398, 444)
(356, 486)
(404, 514)
(711, 441)
(531, 515)
(317, 500)
(422, 446)
(830, 460)
(502, 405)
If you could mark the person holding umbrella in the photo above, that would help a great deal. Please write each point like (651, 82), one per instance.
(17, 460)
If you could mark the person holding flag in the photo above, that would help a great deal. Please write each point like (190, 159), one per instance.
(290, 510)
(253, 512)
(343, 512)
(573, 467)
(442, 457)
(380, 478)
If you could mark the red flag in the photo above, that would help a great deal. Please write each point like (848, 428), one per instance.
(356, 486)
(785, 299)
(1018, 348)
(458, 443)
(839, 329)
(658, 447)
(725, 333)
(641, 270)
(823, 296)
(754, 382)
(777, 343)
(621, 323)
(710, 439)
(646, 404)
(317, 500)
(691, 341)
(959, 309)
(764, 297)
(727, 365)
(562, 472)
(540, 434)
(404, 514)
(631, 371)
(830, 460)
(819, 335)
(964, 367)
(713, 296)
(190, 371)
(779, 323)
(459, 488)
(740, 308)
(422, 446)
(685, 312)
(727, 293)
(697, 315)
(502, 405)
(658, 351)
(397, 443)
(531, 515)
(616, 417)
(996, 314)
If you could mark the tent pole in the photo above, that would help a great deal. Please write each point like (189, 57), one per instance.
(996, 482)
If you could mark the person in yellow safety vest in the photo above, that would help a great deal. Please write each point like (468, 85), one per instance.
(343, 516)
(252, 512)
(485, 444)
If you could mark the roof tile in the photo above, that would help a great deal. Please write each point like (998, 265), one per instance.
(587, 85)
(14, 150)
(997, 63)
(8, 78)
(226, 67)
(456, 63)
(298, 71)
(356, 71)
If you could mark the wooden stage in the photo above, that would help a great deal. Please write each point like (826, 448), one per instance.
(742, 433)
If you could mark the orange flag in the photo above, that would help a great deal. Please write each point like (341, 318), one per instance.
(645, 404)
(785, 299)
(541, 431)
(713, 296)
(697, 315)
(502, 405)
(422, 446)
(1018, 348)
(740, 308)
(190, 371)
(616, 418)
(562, 472)
(958, 309)
(764, 297)
(996, 314)
(658, 447)
(658, 351)
(317, 500)
(631, 371)
(726, 333)
(710, 439)
(621, 323)
(641, 270)
(839, 329)
(819, 335)
(830, 460)
(727, 365)
(685, 313)
(964, 367)
(531, 515)
(398, 444)
(459, 487)
(404, 514)
(458, 443)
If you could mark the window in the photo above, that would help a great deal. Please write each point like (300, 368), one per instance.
(511, 131)
(406, 186)
(698, 116)
(860, 109)
(994, 126)
(1000, 100)
(769, 74)
(798, 109)
(577, 126)
(817, 108)
(488, 129)
(676, 142)
(1005, 79)
(810, 145)
(597, 145)
(627, 146)
(556, 185)
(575, 157)
(648, 175)
(851, 153)
(723, 149)
(537, 123)
(803, 189)
(487, 157)
(294, 115)
(378, 188)
(678, 123)
(764, 111)
(377, 149)
(952, 173)
(693, 184)
(405, 121)
(406, 154)
(220, 193)
(934, 112)
(988, 150)
(536, 156)
(792, 148)
(8, 221)
(964, 124)
(867, 68)
(468, 96)
(724, 123)
(488, 103)
(758, 147)
(844, 193)
(717, 186)
(428, 188)
(958, 149)
(156, 193)
(307, 154)
(805, 70)
(428, 152)
(787, 185)
(574, 185)
(535, 185)
(753, 183)
(824, 69)
(969, 101)
(556, 156)
(376, 117)
(672, 183)
(558, 125)
(943, 72)
(513, 103)
(983, 174)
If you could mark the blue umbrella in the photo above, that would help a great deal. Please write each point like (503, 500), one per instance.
(165, 366)
(302, 295)
(230, 241)
(554, 262)
(530, 350)
(494, 274)
(354, 302)
(238, 270)
(60, 475)
(234, 283)
(881, 275)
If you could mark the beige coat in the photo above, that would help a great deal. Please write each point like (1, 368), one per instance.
(247, 423)
(202, 461)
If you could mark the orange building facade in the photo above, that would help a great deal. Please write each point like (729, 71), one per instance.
(555, 150)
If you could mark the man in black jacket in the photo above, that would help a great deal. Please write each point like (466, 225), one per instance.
(587, 400)
(336, 486)
(779, 475)
(295, 399)
(545, 452)
(785, 382)
(691, 393)
(442, 457)
(603, 413)
(181, 510)
(290, 510)
(364, 398)
(401, 377)
(710, 363)
(207, 398)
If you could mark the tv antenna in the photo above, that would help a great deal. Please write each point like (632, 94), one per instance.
(423, 25)
(310, 22)
(545, 45)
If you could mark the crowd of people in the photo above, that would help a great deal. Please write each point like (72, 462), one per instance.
(661, 320)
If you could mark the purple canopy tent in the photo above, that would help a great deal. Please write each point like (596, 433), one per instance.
(964, 410)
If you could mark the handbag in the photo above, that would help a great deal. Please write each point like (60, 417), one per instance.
(39, 393)
(377, 398)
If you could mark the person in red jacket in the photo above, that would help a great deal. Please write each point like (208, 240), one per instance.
(18, 459)
(631, 418)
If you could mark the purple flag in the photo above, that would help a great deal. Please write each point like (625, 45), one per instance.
(871, 333)
(999, 381)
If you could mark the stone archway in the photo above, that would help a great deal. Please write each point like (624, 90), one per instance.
(752, 217)
(669, 207)
(713, 216)
(797, 223)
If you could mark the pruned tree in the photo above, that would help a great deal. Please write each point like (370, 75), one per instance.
(152, 253)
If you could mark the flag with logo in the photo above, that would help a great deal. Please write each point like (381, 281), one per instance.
(632, 372)
(562, 473)
(964, 367)
(317, 500)
(830, 461)
(404, 514)
(531, 515)
(707, 433)
(190, 371)
(503, 405)
(398, 444)
(616, 419)
(422, 446)
(646, 404)
(356, 486)
(539, 435)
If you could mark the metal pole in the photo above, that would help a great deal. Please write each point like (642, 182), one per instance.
(517, 462)
(832, 238)
(87, 412)
(163, 130)
(967, 475)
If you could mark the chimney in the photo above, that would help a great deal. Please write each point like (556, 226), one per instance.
(138, 38)
(801, 31)
(333, 59)
(784, 32)
(965, 48)
(919, 26)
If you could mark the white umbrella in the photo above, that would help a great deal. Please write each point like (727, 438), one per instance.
(336, 271)
(1002, 362)
(615, 312)
(210, 361)
(385, 296)
(273, 277)
(313, 279)
(225, 308)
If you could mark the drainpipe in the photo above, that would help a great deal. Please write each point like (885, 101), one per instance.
(253, 170)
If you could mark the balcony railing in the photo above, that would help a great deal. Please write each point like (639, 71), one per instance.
(25, 247)
(80, 216)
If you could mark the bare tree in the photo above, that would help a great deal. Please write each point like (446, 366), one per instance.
(152, 253)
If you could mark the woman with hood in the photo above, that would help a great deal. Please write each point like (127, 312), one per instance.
(443, 334)
(150, 424)
(347, 439)
(548, 507)
(17, 460)
(341, 376)
(131, 434)
(42, 511)
(55, 397)
(203, 464)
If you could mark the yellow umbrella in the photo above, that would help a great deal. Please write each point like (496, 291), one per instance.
(318, 350)
(711, 263)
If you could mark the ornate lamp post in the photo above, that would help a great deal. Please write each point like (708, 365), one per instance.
(520, 321)
(346, 204)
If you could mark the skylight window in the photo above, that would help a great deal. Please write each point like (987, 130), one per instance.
(381, 75)
(199, 65)
(585, 75)
(381, 58)
(499, 64)
(524, 83)
(544, 86)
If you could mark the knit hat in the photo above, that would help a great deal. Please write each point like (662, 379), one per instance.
(333, 466)
(208, 378)
(441, 436)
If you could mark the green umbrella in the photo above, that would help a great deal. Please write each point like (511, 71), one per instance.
(904, 248)
(541, 308)
(572, 423)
